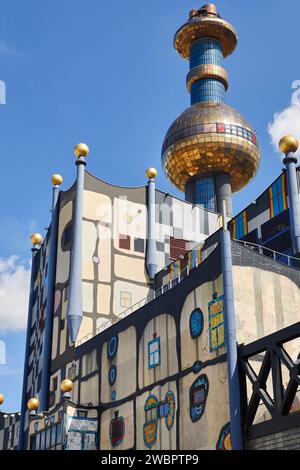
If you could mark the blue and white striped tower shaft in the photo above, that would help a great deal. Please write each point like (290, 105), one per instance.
(151, 263)
(231, 339)
(207, 51)
(207, 81)
(289, 145)
(36, 240)
(47, 345)
(74, 311)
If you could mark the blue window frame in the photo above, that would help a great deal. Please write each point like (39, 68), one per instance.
(154, 353)
(277, 194)
(112, 347)
(216, 322)
(196, 323)
(112, 375)
(164, 409)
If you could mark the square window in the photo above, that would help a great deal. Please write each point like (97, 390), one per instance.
(125, 299)
(139, 245)
(124, 242)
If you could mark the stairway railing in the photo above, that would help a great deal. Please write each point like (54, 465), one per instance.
(291, 261)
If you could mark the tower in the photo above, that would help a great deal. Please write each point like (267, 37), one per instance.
(210, 150)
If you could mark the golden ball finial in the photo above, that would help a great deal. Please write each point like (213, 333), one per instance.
(66, 385)
(36, 238)
(288, 144)
(56, 179)
(33, 404)
(81, 150)
(1, 398)
(151, 172)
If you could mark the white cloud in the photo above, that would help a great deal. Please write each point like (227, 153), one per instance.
(14, 293)
(287, 121)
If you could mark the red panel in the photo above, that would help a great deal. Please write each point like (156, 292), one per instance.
(221, 127)
(178, 247)
(124, 242)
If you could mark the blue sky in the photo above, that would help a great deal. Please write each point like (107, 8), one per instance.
(106, 73)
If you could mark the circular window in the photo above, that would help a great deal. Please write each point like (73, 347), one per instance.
(196, 323)
(112, 375)
(113, 395)
(112, 347)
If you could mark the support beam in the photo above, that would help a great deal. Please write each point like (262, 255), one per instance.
(36, 241)
(47, 344)
(151, 263)
(230, 336)
(74, 312)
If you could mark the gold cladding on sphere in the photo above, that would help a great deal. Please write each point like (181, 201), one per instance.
(66, 385)
(151, 172)
(33, 404)
(205, 26)
(81, 150)
(56, 180)
(36, 238)
(194, 146)
(1, 398)
(288, 144)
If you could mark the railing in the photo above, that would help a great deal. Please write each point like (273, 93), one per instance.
(274, 379)
(151, 296)
(276, 255)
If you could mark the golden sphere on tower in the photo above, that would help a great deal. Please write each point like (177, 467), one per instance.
(151, 172)
(288, 144)
(81, 150)
(1, 398)
(66, 385)
(210, 138)
(36, 238)
(56, 180)
(33, 404)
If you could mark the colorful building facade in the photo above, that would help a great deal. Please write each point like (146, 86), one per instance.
(129, 297)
